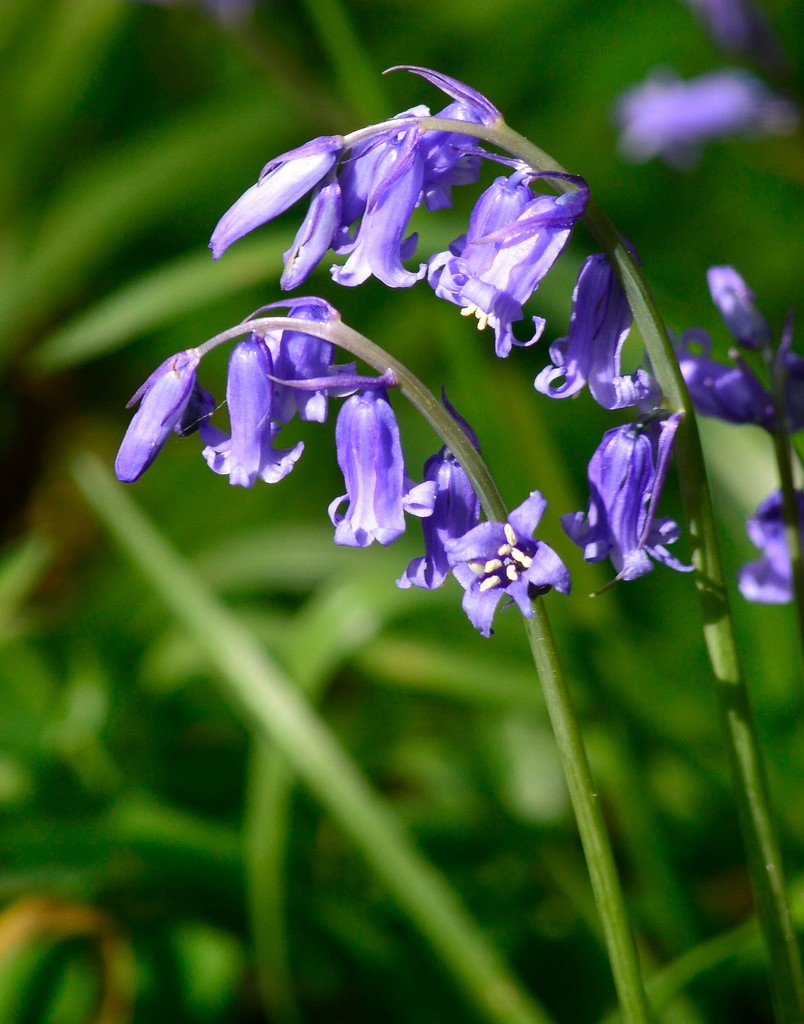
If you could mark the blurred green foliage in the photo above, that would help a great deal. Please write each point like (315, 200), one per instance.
(157, 861)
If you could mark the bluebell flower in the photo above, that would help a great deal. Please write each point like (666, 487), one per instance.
(171, 400)
(739, 27)
(481, 108)
(378, 490)
(737, 305)
(733, 393)
(590, 354)
(769, 580)
(626, 476)
(513, 240)
(248, 453)
(671, 118)
(456, 511)
(392, 191)
(299, 358)
(362, 208)
(282, 183)
(503, 560)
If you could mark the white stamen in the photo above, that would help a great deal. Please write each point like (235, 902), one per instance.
(492, 564)
(476, 566)
(510, 534)
(524, 560)
(503, 550)
(512, 573)
(489, 582)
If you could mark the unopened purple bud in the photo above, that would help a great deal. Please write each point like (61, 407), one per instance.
(485, 109)
(282, 183)
(170, 401)
(315, 235)
(736, 303)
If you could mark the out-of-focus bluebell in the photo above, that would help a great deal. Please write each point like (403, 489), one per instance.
(741, 28)
(669, 117)
(514, 238)
(503, 560)
(222, 10)
(378, 490)
(769, 580)
(590, 354)
(626, 477)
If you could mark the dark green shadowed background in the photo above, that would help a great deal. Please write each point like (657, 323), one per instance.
(162, 860)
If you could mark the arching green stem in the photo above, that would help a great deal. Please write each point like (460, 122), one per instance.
(747, 767)
(592, 827)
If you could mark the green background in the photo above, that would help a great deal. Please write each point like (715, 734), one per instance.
(158, 861)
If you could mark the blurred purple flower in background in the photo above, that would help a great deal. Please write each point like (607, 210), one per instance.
(671, 118)
(769, 580)
(739, 27)
(222, 10)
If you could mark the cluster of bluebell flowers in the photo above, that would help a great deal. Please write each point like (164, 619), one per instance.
(768, 394)
(363, 190)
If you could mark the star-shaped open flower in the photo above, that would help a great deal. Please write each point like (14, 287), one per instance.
(496, 560)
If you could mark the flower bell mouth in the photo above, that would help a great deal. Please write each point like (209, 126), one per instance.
(510, 563)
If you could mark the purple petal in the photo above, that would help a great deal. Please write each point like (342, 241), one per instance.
(489, 114)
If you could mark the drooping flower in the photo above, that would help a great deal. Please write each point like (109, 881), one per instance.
(737, 305)
(671, 118)
(626, 476)
(496, 560)
(513, 240)
(590, 354)
(282, 183)
(456, 511)
(769, 580)
(393, 190)
(362, 208)
(171, 400)
(299, 358)
(378, 490)
(248, 453)
(733, 394)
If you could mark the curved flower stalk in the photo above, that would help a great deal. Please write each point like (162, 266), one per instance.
(514, 237)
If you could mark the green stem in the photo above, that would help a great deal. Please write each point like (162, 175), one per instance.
(591, 824)
(279, 713)
(739, 730)
(783, 451)
(592, 827)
